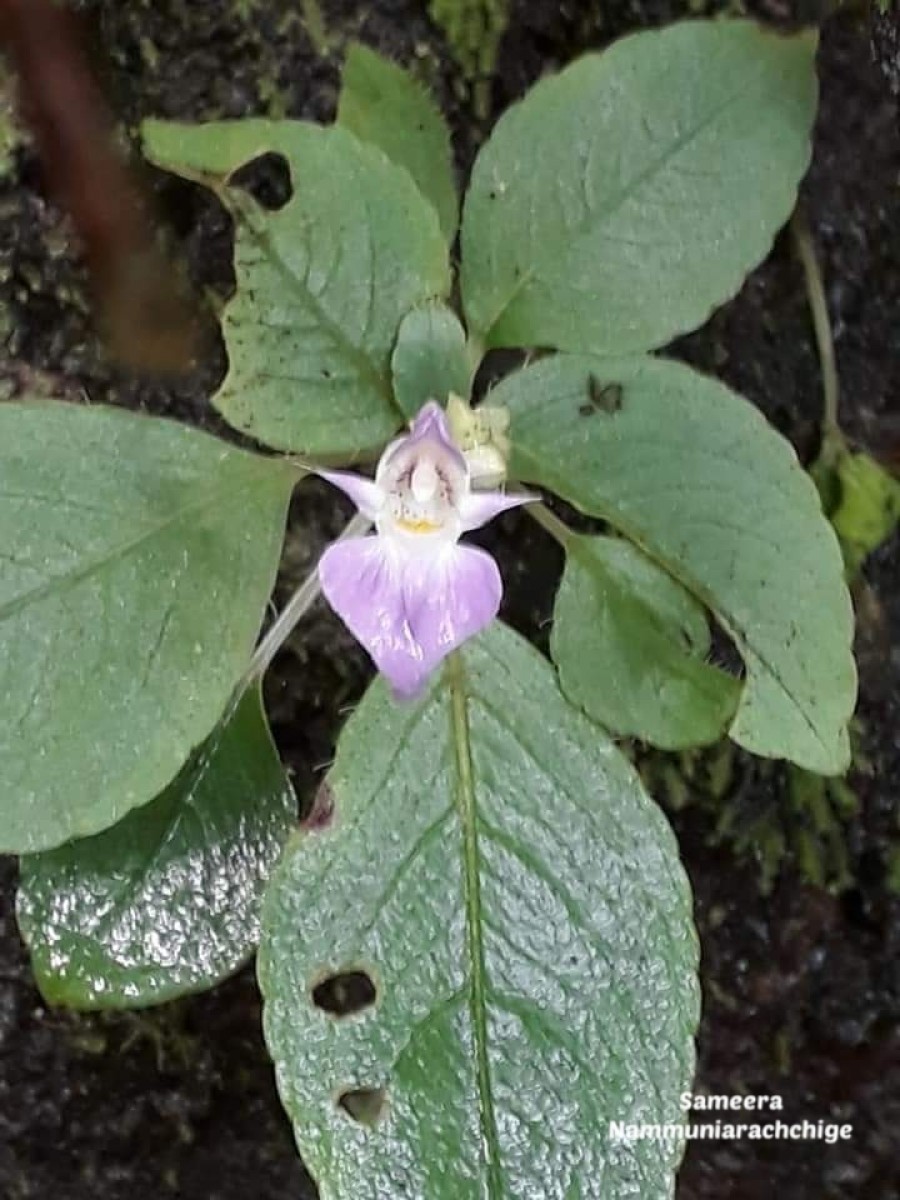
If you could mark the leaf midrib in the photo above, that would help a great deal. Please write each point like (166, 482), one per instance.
(594, 221)
(466, 803)
(120, 550)
(365, 367)
(664, 625)
(195, 774)
(672, 566)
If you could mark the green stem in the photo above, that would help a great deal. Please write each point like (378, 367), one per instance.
(551, 522)
(293, 612)
(285, 624)
(314, 23)
(818, 305)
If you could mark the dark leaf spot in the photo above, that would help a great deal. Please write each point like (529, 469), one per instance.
(345, 993)
(602, 397)
(367, 1106)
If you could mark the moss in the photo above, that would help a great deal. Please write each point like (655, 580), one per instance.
(163, 1029)
(9, 134)
(892, 875)
(473, 29)
(773, 814)
(315, 25)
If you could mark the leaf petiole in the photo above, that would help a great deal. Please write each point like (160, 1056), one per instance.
(293, 612)
(818, 307)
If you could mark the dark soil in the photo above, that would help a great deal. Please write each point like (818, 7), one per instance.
(802, 987)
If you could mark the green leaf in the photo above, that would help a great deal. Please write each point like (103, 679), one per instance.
(383, 104)
(868, 510)
(497, 873)
(431, 358)
(167, 901)
(322, 284)
(631, 646)
(695, 476)
(626, 197)
(136, 560)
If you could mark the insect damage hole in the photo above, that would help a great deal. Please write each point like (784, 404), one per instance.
(345, 993)
(267, 178)
(601, 397)
(367, 1106)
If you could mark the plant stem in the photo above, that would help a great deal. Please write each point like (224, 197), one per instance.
(315, 25)
(285, 624)
(551, 522)
(293, 612)
(818, 306)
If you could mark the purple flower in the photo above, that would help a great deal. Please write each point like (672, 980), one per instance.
(410, 592)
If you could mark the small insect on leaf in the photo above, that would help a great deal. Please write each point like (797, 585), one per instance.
(602, 397)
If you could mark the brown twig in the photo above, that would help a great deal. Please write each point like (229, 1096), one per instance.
(143, 309)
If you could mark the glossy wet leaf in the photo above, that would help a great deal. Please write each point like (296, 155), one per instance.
(322, 284)
(167, 901)
(632, 648)
(431, 358)
(495, 867)
(136, 560)
(626, 197)
(383, 104)
(694, 475)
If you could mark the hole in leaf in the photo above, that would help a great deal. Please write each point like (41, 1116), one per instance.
(493, 367)
(367, 1106)
(345, 993)
(723, 652)
(267, 179)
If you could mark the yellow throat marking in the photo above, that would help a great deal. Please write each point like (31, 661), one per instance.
(420, 526)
